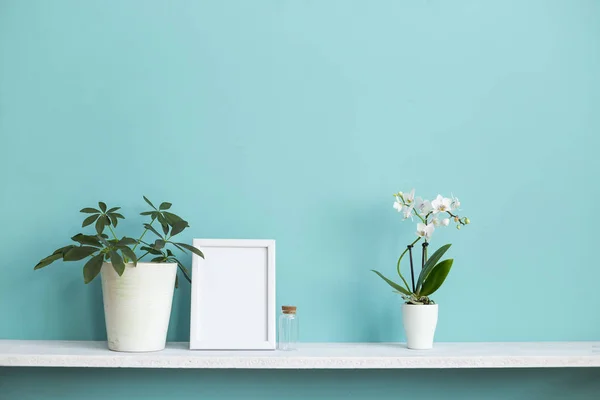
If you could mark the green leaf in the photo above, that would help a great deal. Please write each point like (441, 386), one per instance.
(151, 250)
(101, 224)
(159, 244)
(79, 253)
(184, 270)
(112, 210)
(113, 219)
(178, 227)
(102, 206)
(48, 260)
(170, 253)
(118, 215)
(127, 241)
(151, 229)
(430, 263)
(149, 203)
(102, 238)
(392, 283)
(179, 247)
(164, 206)
(172, 218)
(436, 277)
(191, 248)
(117, 262)
(176, 281)
(92, 268)
(87, 239)
(127, 252)
(147, 213)
(89, 220)
(164, 223)
(63, 250)
(158, 259)
(89, 210)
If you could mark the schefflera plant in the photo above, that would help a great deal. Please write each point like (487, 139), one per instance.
(100, 247)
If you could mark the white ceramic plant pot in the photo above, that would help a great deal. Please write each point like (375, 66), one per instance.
(419, 325)
(137, 305)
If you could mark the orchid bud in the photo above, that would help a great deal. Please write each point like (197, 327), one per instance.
(456, 219)
(458, 227)
(467, 221)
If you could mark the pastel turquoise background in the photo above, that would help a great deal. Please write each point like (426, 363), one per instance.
(296, 120)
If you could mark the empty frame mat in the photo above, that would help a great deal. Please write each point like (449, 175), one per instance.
(233, 295)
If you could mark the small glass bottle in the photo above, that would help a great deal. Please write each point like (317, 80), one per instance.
(288, 329)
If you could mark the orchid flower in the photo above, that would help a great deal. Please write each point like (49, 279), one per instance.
(445, 222)
(423, 207)
(398, 205)
(425, 231)
(441, 204)
(455, 204)
(409, 198)
(408, 212)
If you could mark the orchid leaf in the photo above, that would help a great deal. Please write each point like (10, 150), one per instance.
(392, 283)
(436, 277)
(430, 263)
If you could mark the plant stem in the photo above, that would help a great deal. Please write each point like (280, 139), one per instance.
(141, 237)
(424, 258)
(417, 214)
(144, 255)
(400, 259)
(113, 232)
(456, 216)
(412, 271)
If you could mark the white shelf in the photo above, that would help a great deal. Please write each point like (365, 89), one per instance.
(31, 353)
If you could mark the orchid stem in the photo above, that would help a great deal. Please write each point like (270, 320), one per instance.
(412, 271)
(424, 258)
(400, 259)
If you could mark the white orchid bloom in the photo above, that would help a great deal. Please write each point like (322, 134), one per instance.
(407, 212)
(435, 221)
(445, 222)
(423, 207)
(425, 231)
(455, 204)
(409, 198)
(441, 204)
(398, 205)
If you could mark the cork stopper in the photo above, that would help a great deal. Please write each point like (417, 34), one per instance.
(288, 309)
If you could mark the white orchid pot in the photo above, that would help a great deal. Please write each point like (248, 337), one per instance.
(137, 305)
(420, 322)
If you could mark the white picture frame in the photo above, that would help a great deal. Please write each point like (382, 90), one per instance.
(233, 295)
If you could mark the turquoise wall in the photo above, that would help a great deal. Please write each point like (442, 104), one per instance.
(296, 120)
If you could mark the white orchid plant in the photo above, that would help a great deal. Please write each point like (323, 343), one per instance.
(430, 215)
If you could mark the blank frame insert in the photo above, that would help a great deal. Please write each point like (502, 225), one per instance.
(233, 295)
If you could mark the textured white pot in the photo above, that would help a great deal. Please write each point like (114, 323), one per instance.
(137, 305)
(419, 324)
